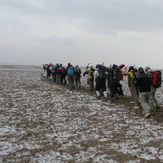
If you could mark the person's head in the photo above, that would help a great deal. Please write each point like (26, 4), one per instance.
(76, 66)
(90, 65)
(147, 69)
(141, 70)
(69, 64)
(131, 68)
(114, 66)
(102, 64)
(97, 66)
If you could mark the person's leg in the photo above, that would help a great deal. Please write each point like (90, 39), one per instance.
(144, 103)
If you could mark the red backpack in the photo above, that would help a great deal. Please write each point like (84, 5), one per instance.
(156, 78)
(62, 70)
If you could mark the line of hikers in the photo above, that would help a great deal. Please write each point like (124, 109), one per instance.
(60, 74)
(142, 83)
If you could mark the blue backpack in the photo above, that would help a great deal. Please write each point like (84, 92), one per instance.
(71, 71)
(52, 69)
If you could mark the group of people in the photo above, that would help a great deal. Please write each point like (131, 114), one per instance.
(60, 74)
(100, 78)
(143, 84)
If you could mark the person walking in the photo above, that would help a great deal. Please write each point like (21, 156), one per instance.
(113, 77)
(70, 73)
(62, 71)
(132, 77)
(153, 100)
(120, 84)
(77, 76)
(143, 83)
(100, 79)
(90, 76)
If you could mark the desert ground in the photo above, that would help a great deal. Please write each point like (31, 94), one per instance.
(42, 122)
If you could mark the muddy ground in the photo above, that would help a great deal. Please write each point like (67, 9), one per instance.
(44, 122)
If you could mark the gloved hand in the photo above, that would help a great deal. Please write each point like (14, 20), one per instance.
(121, 82)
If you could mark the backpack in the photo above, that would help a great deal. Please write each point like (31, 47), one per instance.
(52, 69)
(62, 70)
(77, 72)
(116, 74)
(156, 78)
(91, 73)
(57, 69)
(135, 77)
(48, 67)
(101, 72)
(71, 71)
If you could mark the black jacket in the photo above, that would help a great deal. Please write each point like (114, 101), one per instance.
(143, 82)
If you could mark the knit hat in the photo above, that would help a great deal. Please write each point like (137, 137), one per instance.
(121, 66)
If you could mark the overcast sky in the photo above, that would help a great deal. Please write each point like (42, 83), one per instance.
(82, 32)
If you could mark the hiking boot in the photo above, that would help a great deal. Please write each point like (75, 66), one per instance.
(136, 107)
(146, 115)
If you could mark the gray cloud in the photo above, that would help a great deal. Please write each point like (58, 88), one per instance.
(81, 31)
